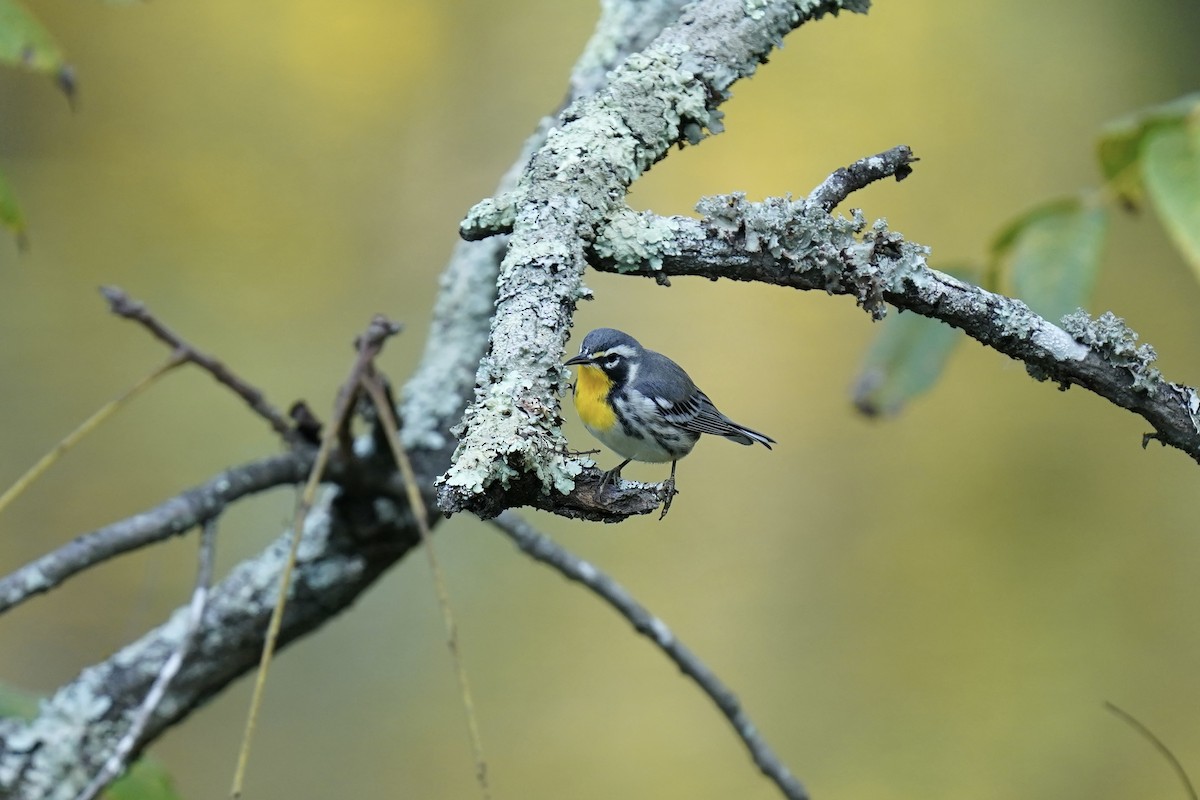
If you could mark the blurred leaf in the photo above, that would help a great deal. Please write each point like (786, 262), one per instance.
(1122, 141)
(145, 780)
(907, 357)
(25, 43)
(1171, 169)
(10, 213)
(1053, 254)
(17, 703)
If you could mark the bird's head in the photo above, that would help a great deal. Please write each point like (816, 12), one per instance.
(612, 352)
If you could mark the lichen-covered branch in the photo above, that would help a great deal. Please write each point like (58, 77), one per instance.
(438, 392)
(175, 517)
(666, 95)
(590, 499)
(349, 542)
(119, 760)
(799, 245)
(55, 755)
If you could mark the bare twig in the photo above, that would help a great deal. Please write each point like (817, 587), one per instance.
(1157, 744)
(172, 518)
(123, 305)
(544, 549)
(862, 173)
(120, 758)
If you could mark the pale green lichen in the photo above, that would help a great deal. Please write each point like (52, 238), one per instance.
(784, 228)
(491, 215)
(1109, 336)
(661, 76)
(756, 9)
(636, 241)
(44, 755)
(508, 438)
(599, 138)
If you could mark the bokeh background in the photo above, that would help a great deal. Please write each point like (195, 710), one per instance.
(935, 605)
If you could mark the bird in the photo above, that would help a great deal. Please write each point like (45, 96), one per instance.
(644, 406)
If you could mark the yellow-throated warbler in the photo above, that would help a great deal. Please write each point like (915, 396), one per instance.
(643, 405)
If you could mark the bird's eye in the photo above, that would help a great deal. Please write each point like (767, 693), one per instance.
(611, 362)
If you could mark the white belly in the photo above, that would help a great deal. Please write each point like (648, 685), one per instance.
(661, 442)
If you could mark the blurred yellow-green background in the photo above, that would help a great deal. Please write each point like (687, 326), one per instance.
(935, 605)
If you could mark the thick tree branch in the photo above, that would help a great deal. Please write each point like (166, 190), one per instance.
(798, 245)
(53, 756)
(444, 383)
(348, 542)
(615, 502)
(119, 761)
(664, 96)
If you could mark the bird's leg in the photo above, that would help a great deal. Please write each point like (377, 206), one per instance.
(669, 491)
(613, 474)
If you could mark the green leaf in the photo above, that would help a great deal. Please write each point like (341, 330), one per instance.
(17, 703)
(25, 43)
(145, 780)
(905, 360)
(1171, 169)
(10, 213)
(1122, 141)
(1053, 254)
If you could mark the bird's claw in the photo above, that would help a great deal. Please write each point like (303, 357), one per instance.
(669, 491)
(609, 478)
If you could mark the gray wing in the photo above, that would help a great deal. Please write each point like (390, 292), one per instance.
(682, 403)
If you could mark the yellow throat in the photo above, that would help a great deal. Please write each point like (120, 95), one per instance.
(591, 391)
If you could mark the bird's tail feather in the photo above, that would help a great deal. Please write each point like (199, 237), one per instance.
(743, 435)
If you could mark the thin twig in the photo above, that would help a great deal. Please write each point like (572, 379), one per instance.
(369, 346)
(847, 180)
(119, 760)
(544, 549)
(1158, 744)
(88, 425)
(123, 305)
(171, 518)
(387, 417)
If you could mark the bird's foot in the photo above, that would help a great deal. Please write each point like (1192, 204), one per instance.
(610, 477)
(669, 491)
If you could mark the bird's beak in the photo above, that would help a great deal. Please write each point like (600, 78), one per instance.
(579, 359)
